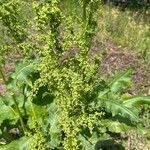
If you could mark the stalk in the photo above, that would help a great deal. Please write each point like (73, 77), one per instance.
(84, 10)
(20, 115)
(15, 102)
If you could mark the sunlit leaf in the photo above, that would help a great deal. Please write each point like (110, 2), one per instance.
(117, 108)
(137, 101)
(21, 144)
(120, 81)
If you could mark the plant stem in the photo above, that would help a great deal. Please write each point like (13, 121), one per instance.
(84, 11)
(15, 102)
(20, 115)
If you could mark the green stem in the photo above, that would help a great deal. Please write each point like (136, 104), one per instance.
(15, 102)
(20, 115)
(84, 11)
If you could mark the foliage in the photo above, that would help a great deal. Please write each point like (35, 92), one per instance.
(129, 29)
(13, 24)
(56, 97)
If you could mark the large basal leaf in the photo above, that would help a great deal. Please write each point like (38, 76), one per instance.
(93, 142)
(55, 130)
(7, 112)
(137, 101)
(35, 113)
(117, 108)
(48, 118)
(115, 126)
(120, 81)
(117, 84)
(89, 143)
(120, 127)
(23, 72)
(20, 144)
(55, 140)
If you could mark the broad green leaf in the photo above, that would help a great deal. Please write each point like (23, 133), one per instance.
(48, 118)
(120, 81)
(143, 130)
(103, 93)
(137, 101)
(117, 108)
(55, 140)
(21, 144)
(35, 114)
(55, 130)
(88, 143)
(115, 126)
(23, 73)
(7, 112)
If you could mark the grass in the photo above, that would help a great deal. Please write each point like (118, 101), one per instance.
(128, 29)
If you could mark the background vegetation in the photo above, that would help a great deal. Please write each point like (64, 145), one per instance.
(74, 75)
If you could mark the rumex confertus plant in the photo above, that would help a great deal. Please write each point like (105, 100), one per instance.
(61, 97)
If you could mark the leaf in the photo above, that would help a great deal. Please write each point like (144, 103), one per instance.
(115, 126)
(7, 112)
(55, 140)
(137, 101)
(120, 81)
(88, 143)
(55, 130)
(143, 130)
(48, 118)
(99, 87)
(23, 73)
(21, 144)
(35, 113)
(117, 108)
